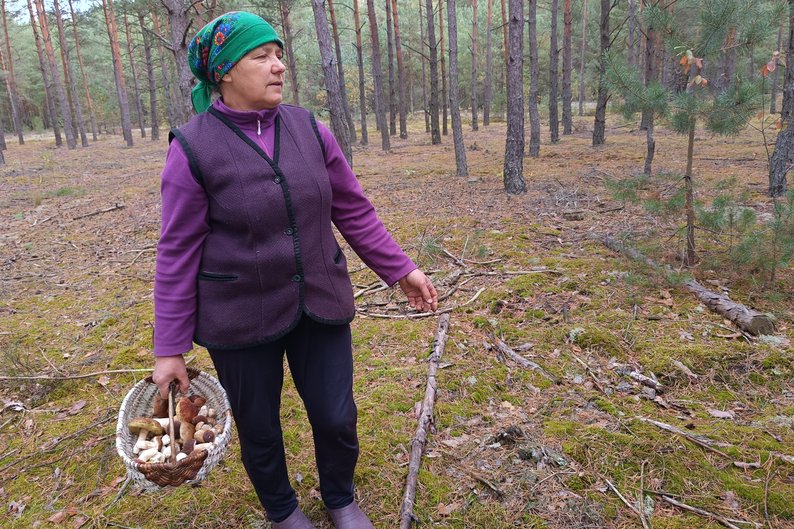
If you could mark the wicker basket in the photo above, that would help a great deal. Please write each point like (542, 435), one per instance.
(195, 467)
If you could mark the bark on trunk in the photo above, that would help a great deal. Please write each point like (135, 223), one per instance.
(582, 51)
(171, 110)
(154, 117)
(390, 60)
(567, 65)
(11, 80)
(433, 45)
(424, 68)
(68, 75)
(651, 75)
(783, 157)
(351, 125)
(293, 66)
(118, 71)
(89, 102)
(728, 60)
(401, 80)
(45, 74)
(60, 93)
(380, 108)
(362, 100)
(475, 55)
(690, 259)
(332, 87)
(599, 130)
(488, 90)
(423, 428)
(773, 101)
(444, 94)
(554, 62)
(514, 144)
(745, 318)
(631, 58)
(179, 21)
(534, 74)
(135, 84)
(461, 166)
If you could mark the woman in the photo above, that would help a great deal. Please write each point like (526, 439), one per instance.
(247, 263)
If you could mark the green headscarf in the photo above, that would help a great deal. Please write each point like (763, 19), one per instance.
(219, 45)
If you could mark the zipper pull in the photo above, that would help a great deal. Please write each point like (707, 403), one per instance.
(258, 127)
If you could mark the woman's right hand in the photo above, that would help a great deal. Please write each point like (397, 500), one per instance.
(168, 368)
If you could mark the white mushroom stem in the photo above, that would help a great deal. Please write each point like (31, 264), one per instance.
(166, 440)
(163, 422)
(180, 456)
(204, 446)
(147, 454)
(166, 452)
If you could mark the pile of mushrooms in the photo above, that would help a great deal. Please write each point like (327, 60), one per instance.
(195, 428)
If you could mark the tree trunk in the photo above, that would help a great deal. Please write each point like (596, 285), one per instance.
(534, 74)
(631, 57)
(651, 75)
(45, 74)
(136, 86)
(728, 60)
(293, 66)
(63, 104)
(91, 114)
(488, 92)
(783, 157)
(69, 75)
(689, 204)
(514, 144)
(401, 80)
(118, 71)
(351, 125)
(599, 130)
(475, 55)
(424, 69)
(179, 21)
(444, 95)
(554, 62)
(433, 44)
(147, 55)
(392, 82)
(173, 113)
(335, 103)
(567, 65)
(773, 102)
(582, 51)
(380, 108)
(461, 167)
(11, 80)
(362, 100)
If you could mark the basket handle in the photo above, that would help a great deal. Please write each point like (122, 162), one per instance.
(171, 411)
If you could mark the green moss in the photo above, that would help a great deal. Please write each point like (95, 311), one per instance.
(599, 340)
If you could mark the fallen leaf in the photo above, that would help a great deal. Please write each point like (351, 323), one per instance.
(103, 381)
(719, 414)
(77, 406)
(79, 521)
(58, 517)
(446, 510)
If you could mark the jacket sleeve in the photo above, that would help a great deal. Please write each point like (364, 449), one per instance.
(355, 217)
(184, 228)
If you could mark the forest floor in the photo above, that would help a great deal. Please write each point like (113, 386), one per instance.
(510, 447)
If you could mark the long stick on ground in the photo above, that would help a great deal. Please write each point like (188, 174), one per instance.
(747, 319)
(702, 512)
(425, 419)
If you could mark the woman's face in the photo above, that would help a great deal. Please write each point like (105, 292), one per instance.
(255, 82)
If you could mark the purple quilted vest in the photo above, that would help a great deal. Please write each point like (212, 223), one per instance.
(271, 254)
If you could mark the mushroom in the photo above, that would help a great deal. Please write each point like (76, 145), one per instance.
(204, 446)
(203, 410)
(187, 448)
(166, 440)
(147, 454)
(156, 442)
(160, 407)
(199, 419)
(211, 412)
(186, 431)
(143, 426)
(198, 400)
(204, 436)
(186, 411)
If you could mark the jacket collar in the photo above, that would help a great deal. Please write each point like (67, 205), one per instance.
(248, 119)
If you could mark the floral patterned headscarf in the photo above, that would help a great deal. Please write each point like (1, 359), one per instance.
(219, 45)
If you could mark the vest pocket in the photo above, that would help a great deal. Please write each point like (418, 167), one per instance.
(212, 276)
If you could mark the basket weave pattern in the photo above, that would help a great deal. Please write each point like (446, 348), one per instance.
(195, 467)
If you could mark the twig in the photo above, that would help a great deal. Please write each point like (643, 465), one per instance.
(457, 260)
(86, 375)
(590, 372)
(623, 499)
(520, 360)
(377, 286)
(699, 440)
(117, 206)
(422, 314)
(702, 512)
(425, 419)
(639, 377)
(641, 505)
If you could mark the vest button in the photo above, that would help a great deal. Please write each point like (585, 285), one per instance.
(289, 231)
(297, 278)
(277, 180)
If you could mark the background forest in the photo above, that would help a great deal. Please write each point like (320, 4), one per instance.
(599, 189)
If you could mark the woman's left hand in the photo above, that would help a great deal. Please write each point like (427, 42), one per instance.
(420, 291)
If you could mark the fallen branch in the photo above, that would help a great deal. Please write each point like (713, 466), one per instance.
(425, 419)
(590, 372)
(422, 314)
(702, 512)
(639, 377)
(745, 318)
(117, 206)
(520, 360)
(627, 503)
(700, 440)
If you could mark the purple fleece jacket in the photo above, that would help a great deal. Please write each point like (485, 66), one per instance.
(184, 228)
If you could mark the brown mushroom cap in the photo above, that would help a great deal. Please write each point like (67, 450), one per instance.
(198, 400)
(186, 410)
(138, 424)
(188, 446)
(160, 407)
(204, 436)
(199, 418)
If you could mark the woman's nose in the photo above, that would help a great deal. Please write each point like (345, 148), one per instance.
(278, 66)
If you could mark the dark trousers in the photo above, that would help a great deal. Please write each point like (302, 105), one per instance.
(321, 362)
